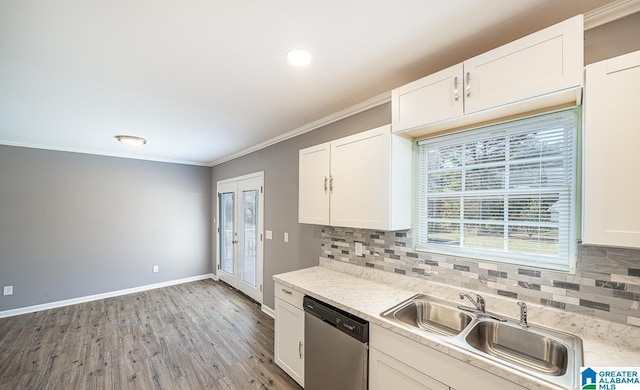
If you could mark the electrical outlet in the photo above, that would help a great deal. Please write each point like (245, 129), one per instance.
(286, 237)
(8, 290)
(358, 248)
(155, 268)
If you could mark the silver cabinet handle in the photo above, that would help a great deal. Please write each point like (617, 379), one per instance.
(286, 291)
(456, 96)
(331, 184)
(468, 84)
(325, 184)
(300, 349)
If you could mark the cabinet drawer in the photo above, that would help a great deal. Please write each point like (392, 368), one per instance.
(289, 295)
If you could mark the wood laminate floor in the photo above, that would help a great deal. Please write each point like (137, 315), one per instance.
(200, 335)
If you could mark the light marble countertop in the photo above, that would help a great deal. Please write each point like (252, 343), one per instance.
(367, 292)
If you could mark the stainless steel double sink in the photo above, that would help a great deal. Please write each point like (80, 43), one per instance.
(544, 353)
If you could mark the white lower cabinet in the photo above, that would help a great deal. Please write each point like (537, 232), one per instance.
(289, 333)
(386, 372)
(396, 362)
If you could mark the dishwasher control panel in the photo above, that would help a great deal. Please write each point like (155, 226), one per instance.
(348, 323)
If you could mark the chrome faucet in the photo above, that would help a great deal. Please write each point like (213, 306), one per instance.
(478, 303)
(523, 315)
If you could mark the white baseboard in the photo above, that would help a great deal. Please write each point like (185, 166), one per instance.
(269, 311)
(95, 297)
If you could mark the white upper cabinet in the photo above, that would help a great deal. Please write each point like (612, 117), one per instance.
(434, 98)
(547, 61)
(611, 214)
(541, 70)
(313, 190)
(368, 182)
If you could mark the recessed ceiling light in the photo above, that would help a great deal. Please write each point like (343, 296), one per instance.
(298, 57)
(131, 140)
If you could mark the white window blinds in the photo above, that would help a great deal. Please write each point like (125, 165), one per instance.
(504, 192)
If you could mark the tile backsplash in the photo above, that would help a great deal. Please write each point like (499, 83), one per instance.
(606, 283)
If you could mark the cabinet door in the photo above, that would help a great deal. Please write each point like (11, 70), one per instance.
(432, 364)
(386, 372)
(360, 166)
(289, 340)
(431, 99)
(543, 62)
(313, 185)
(611, 158)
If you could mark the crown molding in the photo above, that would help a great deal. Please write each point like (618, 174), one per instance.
(99, 153)
(336, 116)
(608, 13)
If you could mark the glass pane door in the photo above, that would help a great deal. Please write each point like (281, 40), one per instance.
(239, 246)
(250, 236)
(227, 232)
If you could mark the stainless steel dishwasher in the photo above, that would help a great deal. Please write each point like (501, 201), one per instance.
(336, 348)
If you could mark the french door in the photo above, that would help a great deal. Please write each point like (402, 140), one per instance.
(240, 241)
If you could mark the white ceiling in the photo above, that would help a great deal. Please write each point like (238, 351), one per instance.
(203, 80)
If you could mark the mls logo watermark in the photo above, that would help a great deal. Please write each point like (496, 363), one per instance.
(609, 378)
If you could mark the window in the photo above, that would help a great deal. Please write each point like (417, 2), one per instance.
(504, 192)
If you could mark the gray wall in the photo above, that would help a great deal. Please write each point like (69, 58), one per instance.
(280, 165)
(612, 39)
(73, 224)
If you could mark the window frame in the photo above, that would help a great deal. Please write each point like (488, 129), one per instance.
(567, 236)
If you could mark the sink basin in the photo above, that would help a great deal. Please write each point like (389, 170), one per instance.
(546, 354)
(430, 315)
(522, 347)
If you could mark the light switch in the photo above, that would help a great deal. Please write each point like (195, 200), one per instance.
(268, 234)
(286, 237)
(8, 290)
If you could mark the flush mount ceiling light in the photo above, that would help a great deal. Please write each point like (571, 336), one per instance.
(131, 140)
(298, 57)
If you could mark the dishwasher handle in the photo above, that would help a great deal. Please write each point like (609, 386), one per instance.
(326, 321)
